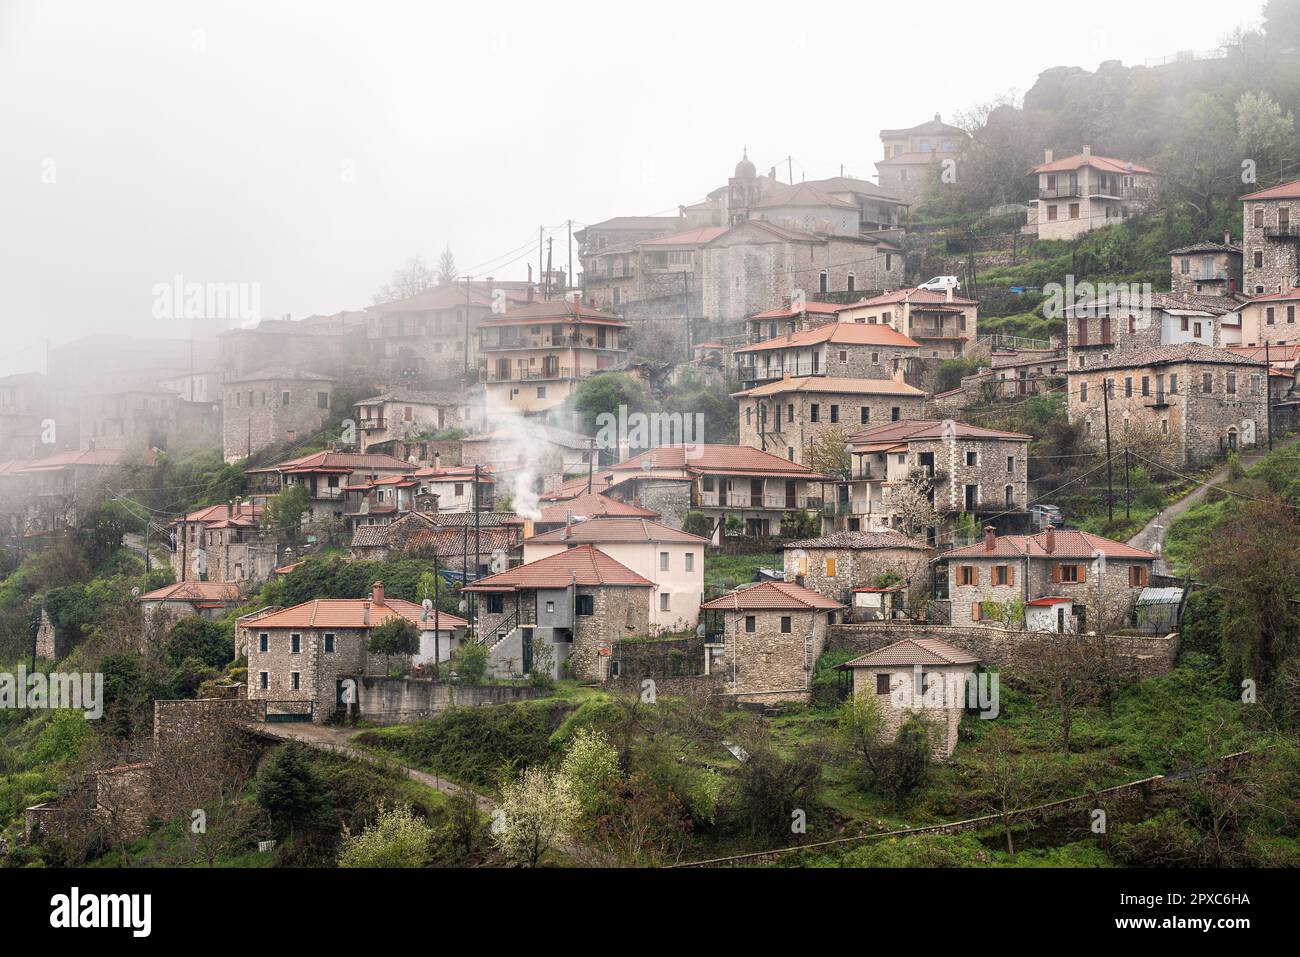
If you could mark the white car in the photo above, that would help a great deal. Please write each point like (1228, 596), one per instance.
(942, 284)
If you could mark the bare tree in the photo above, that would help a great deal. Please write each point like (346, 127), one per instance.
(410, 280)
(446, 272)
(1058, 668)
(1011, 782)
(912, 500)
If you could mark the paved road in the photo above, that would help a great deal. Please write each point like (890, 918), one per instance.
(1152, 536)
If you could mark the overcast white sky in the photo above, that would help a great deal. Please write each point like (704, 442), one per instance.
(311, 148)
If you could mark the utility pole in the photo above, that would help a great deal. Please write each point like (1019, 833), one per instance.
(467, 279)
(1127, 495)
(789, 160)
(568, 279)
(540, 263)
(1110, 480)
(591, 463)
(478, 541)
(549, 243)
(1268, 396)
(437, 598)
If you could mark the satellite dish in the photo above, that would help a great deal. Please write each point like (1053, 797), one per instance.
(647, 465)
(135, 592)
(427, 604)
(463, 606)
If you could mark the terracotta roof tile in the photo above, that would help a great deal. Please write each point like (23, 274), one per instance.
(351, 613)
(194, 591)
(583, 565)
(593, 505)
(914, 651)
(895, 433)
(838, 333)
(598, 531)
(831, 384)
(772, 596)
(1069, 544)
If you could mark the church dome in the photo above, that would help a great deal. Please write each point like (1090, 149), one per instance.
(745, 169)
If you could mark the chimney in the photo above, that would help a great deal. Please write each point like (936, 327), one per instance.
(936, 118)
(897, 375)
(230, 508)
(785, 303)
(365, 614)
(437, 461)
(1087, 152)
(1047, 156)
(1227, 237)
(1049, 540)
(377, 593)
(990, 538)
(949, 294)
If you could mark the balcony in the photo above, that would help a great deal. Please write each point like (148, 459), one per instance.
(550, 342)
(1060, 192)
(1282, 231)
(373, 425)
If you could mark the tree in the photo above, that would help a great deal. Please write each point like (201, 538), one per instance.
(284, 512)
(1058, 669)
(591, 765)
(290, 791)
(771, 788)
(607, 393)
(446, 272)
(645, 825)
(537, 811)
(397, 838)
(1265, 134)
(211, 642)
(396, 636)
(1251, 559)
(863, 730)
(470, 662)
(828, 452)
(908, 766)
(410, 280)
(912, 500)
(1010, 782)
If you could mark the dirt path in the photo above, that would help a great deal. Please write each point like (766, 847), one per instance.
(1152, 536)
(338, 741)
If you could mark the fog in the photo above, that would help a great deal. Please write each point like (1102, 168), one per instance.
(312, 148)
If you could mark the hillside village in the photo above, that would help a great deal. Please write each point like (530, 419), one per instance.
(789, 468)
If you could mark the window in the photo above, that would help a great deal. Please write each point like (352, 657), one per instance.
(1128, 387)
(844, 355)
(284, 397)
(789, 412)
(262, 680)
(1138, 576)
(1083, 392)
(750, 624)
(1146, 385)
(1074, 210)
(852, 283)
(972, 459)
(882, 684)
(294, 680)
(1232, 383)
(1010, 494)
(1051, 214)
(1011, 463)
(1259, 259)
(1269, 315)
(1068, 573)
(1290, 314)
(1185, 266)
(835, 413)
(1003, 575)
(824, 281)
(407, 413)
(495, 604)
(968, 575)
(329, 642)
(1207, 383)
(690, 561)
(459, 489)
(663, 601)
(1173, 383)
(814, 412)
(550, 608)
(663, 561)
(295, 644)
(541, 392)
(830, 566)
(585, 605)
(895, 413)
(864, 415)
(785, 624)
(1259, 218)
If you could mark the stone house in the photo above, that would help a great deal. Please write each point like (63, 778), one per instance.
(380, 501)
(955, 467)
(1206, 269)
(788, 416)
(670, 558)
(537, 354)
(842, 349)
(271, 406)
(924, 676)
(404, 414)
(835, 565)
(1201, 401)
(146, 418)
(1085, 192)
(721, 481)
(1269, 239)
(457, 542)
(207, 599)
(789, 318)
(766, 639)
(940, 323)
(454, 488)
(1270, 318)
(299, 657)
(666, 267)
(756, 264)
(609, 253)
(990, 581)
(585, 506)
(543, 451)
(1124, 320)
(913, 157)
(326, 344)
(325, 476)
(52, 494)
(432, 338)
(578, 602)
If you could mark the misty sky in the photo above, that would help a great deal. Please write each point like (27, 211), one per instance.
(311, 148)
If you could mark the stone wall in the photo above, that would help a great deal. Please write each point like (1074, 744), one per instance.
(766, 424)
(1151, 656)
(395, 700)
(1279, 265)
(254, 414)
(768, 666)
(856, 568)
(616, 613)
(659, 659)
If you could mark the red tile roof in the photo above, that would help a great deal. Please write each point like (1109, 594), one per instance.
(195, 591)
(772, 596)
(593, 505)
(553, 311)
(832, 384)
(247, 514)
(915, 297)
(704, 459)
(338, 462)
(838, 333)
(1289, 190)
(804, 194)
(583, 565)
(813, 308)
(101, 458)
(351, 613)
(914, 651)
(1049, 601)
(1069, 544)
(1106, 164)
(692, 237)
(598, 531)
